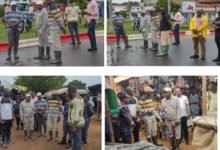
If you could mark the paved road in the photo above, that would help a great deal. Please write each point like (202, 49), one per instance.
(178, 55)
(72, 56)
(40, 143)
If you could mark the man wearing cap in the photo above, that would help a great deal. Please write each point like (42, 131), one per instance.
(154, 26)
(170, 107)
(41, 25)
(198, 26)
(66, 126)
(53, 117)
(87, 114)
(126, 122)
(41, 108)
(144, 26)
(165, 27)
(27, 116)
(13, 20)
(6, 117)
(75, 117)
(56, 23)
(216, 23)
(118, 23)
(148, 113)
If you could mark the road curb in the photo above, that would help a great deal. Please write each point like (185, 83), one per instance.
(139, 36)
(34, 41)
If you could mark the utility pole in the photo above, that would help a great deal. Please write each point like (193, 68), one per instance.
(110, 15)
(169, 6)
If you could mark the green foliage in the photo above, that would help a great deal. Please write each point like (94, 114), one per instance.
(124, 13)
(41, 83)
(1, 11)
(78, 84)
(164, 3)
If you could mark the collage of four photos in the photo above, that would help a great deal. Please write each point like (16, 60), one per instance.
(83, 106)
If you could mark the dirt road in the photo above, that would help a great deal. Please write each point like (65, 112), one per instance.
(40, 143)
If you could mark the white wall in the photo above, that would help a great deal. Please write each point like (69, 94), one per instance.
(19, 1)
(118, 8)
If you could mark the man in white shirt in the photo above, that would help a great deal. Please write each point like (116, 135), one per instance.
(72, 13)
(177, 22)
(144, 26)
(6, 106)
(185, 112)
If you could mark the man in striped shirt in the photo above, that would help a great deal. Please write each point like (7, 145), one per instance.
(118, 22)
(56, 23)
(54, 114)
(40, 108)
(147, 111)
(13, 21)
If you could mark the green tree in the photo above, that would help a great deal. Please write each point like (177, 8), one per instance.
(78, 84)
(164, 3)
(41, 83)
(124, 13)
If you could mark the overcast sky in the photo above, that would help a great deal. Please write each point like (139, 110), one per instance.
(122, 1)
(89, 80)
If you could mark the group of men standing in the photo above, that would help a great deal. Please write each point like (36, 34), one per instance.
(50, 16)
(174, 113)
(39, 112)
(162, 22)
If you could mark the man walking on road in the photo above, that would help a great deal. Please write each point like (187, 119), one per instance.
(185, 113)
(165, 27)
(144, 26)
(41, 108)
(12, 20)
(198, 26)
(41, 25)
(216, 23)
(92, 13)
(118, 23)
(27, 116)
(75, 117)
(177, 22)
(72, 13)
(170, 107)
(56, 23)
(6, 108)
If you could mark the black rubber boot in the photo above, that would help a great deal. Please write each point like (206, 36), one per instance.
(149, 140)
(9, 55)
(177, 144)
(50, 136)
(155, 142)
(30, 135)
(58, 57)
(16, 52)
(145, 45)
(47, 54)
(172, 142)
(63, 141)
(40, 52)
(25, 135)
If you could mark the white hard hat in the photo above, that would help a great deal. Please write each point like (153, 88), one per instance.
(39, 94)
(13, 3)
(40, 2)
(28, 95)
(167, 89)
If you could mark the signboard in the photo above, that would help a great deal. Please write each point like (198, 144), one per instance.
(209, 1)
(188, 7)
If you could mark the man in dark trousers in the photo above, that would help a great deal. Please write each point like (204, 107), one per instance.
(217, 35)
(6, 109)
(92, 13)
(126, 122)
